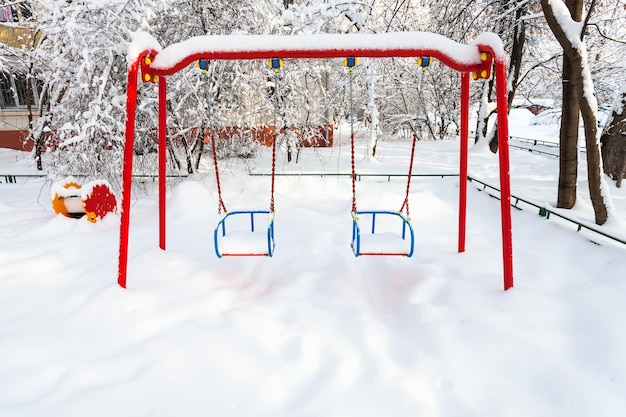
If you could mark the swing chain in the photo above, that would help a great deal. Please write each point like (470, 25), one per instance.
(276, 69)
(350, 63)
(220, 202)
(408, 181)
(423, 63)
(221, 207)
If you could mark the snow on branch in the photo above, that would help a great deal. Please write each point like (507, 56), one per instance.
(572, 28)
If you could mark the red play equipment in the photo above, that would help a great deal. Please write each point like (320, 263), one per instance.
(475, 60)
(94, 199)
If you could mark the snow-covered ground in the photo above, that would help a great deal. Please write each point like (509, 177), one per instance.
(314, 331)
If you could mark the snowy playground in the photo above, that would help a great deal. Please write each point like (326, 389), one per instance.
(314, 330)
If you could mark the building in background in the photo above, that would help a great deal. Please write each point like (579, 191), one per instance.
(17, 36)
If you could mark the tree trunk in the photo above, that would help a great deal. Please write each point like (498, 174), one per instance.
(29, 109)
(515, 65)
(372, 110)
(483, 113)
(199, 147)
(614, 141)
(183, 139)
(575, 50)
(289, 151)
(172, 153)
(44, 133)
(568, 140)
(594, 161)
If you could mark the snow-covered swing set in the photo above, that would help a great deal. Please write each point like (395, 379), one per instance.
(476, 60)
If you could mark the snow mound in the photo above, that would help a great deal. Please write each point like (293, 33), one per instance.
(189, 201)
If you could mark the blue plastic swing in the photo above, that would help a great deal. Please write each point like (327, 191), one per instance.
(246, 241)
(386, 242)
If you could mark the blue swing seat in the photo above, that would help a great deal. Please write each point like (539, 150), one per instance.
(386, 242)
(242, 238)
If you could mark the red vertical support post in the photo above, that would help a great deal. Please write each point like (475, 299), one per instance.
(505, 181)
(162, 158)
(465, 97)
(127, 173)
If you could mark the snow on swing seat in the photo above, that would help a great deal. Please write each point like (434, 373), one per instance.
(244, 243)
(384, 244)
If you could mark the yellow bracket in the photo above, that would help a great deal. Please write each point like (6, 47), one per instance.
(485, 71)
(146, 74)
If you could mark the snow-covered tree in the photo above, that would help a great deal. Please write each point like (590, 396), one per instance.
(83, 52)
(565, 21)
(82, 59)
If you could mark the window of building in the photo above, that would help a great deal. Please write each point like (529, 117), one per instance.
(7, 97)
(21, 89)
(14, 90)
(25, 11)
(17, 12)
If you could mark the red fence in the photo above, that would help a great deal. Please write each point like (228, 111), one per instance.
(307, 136)
(16, 139)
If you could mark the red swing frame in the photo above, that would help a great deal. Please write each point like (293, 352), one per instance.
(476, 60)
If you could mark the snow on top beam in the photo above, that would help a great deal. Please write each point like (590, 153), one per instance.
(460, 57)
(143, 44)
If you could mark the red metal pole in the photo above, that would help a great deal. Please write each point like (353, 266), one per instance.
(505, 181)
(127, 174)
(162, 158)
(465, 97)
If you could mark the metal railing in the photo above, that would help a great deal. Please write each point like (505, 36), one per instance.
(546, 212)
(537, 142)
(12, 178)
(358, 177)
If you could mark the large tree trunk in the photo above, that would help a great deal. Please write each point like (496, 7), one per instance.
(575, 50)
(568, 140)
(614, 140)
(594, 161)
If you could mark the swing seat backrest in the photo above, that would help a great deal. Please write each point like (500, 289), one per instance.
(382, 238)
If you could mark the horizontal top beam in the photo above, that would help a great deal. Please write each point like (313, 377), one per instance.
(458, 56)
